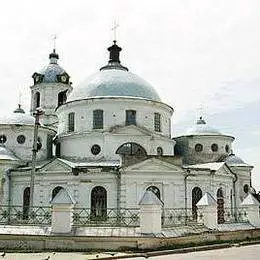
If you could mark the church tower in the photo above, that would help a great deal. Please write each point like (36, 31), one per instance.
(50, 89)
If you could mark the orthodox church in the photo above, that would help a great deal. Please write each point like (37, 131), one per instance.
(109, 140)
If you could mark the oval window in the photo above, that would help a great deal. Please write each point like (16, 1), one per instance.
(2, 139)
(95, 149)
(20, 139)
(214, 147)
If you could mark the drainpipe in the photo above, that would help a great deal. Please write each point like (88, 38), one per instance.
(8, 174)
(234, 191)
(118, 188)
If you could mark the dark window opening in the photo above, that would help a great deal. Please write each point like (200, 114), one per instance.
(20, 139)
(98, 119)
(246, 188)
(131, 149)
(155, 190)
(26, 202)
(159, 151)
(157, 122)
(198, 147)
(71, 122)
(37, 100)
(95, 149)
(214, 147)
(62, 97)
(220, 206)
(55, 191)
(58, 150)
(130, 117)
(3, 139)
(98, 203)
(196, 196)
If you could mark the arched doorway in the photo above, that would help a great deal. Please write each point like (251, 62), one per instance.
(220, 202)
(196, 196)
(26, 202)
(55, 191)
(98, 203)
(155, 190)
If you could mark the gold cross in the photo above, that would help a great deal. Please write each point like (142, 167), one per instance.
(54, 38)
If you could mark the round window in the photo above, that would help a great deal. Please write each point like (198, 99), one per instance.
(159, 151)
(20, 139)
(227, 148)
(214, 147)
(198, 147)
(95, 149)
(2, 139)
(246, 188)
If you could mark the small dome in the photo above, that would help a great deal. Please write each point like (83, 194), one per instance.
(18, 117)
(6, 154)
(114, 80)
(201, 128)
(52, 73)
(233, 160)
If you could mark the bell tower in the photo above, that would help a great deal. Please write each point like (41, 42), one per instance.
(50, 89)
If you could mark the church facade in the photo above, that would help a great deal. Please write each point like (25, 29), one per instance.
(109, 140)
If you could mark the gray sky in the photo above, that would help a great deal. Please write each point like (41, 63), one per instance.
(202, 56)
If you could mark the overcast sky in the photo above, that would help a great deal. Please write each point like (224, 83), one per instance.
(202, 56)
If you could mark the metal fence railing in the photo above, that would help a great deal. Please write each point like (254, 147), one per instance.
(129, 217)
(19, 215)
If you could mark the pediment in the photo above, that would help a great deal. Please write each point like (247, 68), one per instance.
(130, 130)
(154, 165)
(56, 166)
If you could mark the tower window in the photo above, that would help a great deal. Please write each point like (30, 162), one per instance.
(20, 139)
(159, 151)
(37, 99)
(157, 122)
(71, 122)
(130, 117)
(62, 97)
(98, 119)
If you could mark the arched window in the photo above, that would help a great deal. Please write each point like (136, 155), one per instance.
(26, 202)
(196, 196)
(98, 203)
(155, 190)
(220, 206)
(157, 122)
(62, 97)
(37, 100)
(55, 191)
(159, 151)
(131, 149)
(71, 122)
(98, 119)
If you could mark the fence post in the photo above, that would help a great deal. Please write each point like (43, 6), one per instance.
(251, 205)
(207, 211)
(150, 213)
(62, 209)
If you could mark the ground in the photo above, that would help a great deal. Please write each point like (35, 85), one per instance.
(233, 253)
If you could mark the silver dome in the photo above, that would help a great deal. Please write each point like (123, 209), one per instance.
(6, 154)
(201, 128)
(18, 117)
(50, 73)
(233, 160)
(114, 82)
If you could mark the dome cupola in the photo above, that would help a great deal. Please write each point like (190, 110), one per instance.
(52, 73)
(114, 80)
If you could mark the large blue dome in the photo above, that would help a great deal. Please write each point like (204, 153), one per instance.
(114, 82)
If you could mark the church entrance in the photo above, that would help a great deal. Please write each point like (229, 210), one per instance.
(196, 196)
(220, 208)
(26, 202)
(98, 203)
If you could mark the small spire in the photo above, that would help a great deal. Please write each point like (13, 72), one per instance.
(201, 121)
(19, 109)
(53, 57)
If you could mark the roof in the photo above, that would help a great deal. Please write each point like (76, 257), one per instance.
(63, 197)
(214, 166)
(207, 200)
(233, 160)
(201, 128)
(114, 80)
(6, 154)
(149, 198)
(18, 117)
(250, 200)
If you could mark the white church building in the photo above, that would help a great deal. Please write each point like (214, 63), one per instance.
(109, 140)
